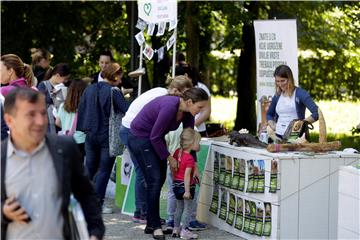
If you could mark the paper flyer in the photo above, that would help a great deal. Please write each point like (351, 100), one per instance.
(242, 175)
(216, 167)
(148, 52)
(251, 180)
(170, 42)
(252, 217)
(259, 218)
(151, 28)
(214, 207)
(161, 29)
(255, 175)
(173, 24)
(231, 214)
(267, 225)
(141, 24)
(247, 217)
(236, 178)
(260, 186)
(239, 214)
(222, 169)
(228, 167)
(273, 176)
(160, 53)
(223, 204)
(140, 38)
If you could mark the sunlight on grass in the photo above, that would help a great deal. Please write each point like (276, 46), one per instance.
(340, 117)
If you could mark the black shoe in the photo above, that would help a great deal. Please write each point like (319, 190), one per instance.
(160, 237)
(148, 230)
(167, 231)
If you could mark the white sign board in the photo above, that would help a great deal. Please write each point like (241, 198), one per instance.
(157, 11)
(276, 44)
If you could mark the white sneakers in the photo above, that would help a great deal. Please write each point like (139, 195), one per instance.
(137, 72)
(187, 234)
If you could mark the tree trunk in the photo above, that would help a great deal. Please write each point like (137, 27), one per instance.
(246, 79)
(192, 33)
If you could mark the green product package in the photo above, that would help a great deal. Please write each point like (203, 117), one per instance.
(252, 217)
(222, 169)
(223, 205)
(227, 182)
(235, 181)
(273, 176)
(231, 214)
(273, 183)
(241, 182)
(216, 168)
(214, 207)
(239, 214)
(247, 216)
(250, 186)
(259, 220)
(267, 224)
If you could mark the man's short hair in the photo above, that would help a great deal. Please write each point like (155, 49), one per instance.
(26, 94)
(108, 53)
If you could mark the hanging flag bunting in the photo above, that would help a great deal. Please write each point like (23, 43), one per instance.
(170, 42)
(141, 24)
(160, 53)
(148, 52)
(140, 38)
(161, 29)
(151, 28)
(173, 24)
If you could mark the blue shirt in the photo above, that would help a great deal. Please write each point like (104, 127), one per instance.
(94, 108)
(156, 119)
(302, 101)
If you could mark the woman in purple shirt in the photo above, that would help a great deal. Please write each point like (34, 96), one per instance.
(147, 143)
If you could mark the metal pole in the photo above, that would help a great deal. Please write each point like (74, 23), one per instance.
(174, 54)
(140, 66)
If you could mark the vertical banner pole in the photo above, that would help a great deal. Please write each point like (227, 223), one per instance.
(140, 66)
(174, 54)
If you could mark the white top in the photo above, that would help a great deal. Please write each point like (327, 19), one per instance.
(140, 102)
(100, 79)
(202, 126)
(286, 110)
(32, 179)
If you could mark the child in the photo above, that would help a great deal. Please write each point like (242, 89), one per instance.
(184, 182)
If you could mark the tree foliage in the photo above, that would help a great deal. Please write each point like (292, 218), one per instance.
(217, 37)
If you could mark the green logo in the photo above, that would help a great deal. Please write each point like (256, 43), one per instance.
(147, 8)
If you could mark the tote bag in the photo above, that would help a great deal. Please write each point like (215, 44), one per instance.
(116, 148)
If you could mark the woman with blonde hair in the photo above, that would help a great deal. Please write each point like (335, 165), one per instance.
(177, 86)
(93, 119)
(289, 102)
(14, 73)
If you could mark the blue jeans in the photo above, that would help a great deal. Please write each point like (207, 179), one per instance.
(154, 170)
(140, 184)
(98, 163)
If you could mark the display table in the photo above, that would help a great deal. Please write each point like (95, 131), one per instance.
(253, 193)
(349, 203)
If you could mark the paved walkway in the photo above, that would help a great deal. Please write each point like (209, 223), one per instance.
(120, 226)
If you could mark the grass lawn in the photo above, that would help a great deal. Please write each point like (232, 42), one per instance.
(340, 118)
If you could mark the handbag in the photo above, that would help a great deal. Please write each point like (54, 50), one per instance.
(116, 148)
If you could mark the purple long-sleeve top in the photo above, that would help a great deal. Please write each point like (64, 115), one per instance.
(20, 82)
(156, 119)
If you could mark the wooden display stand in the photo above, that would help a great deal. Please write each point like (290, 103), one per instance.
(304, 204)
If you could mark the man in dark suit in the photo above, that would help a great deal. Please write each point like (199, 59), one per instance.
(38, 174)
